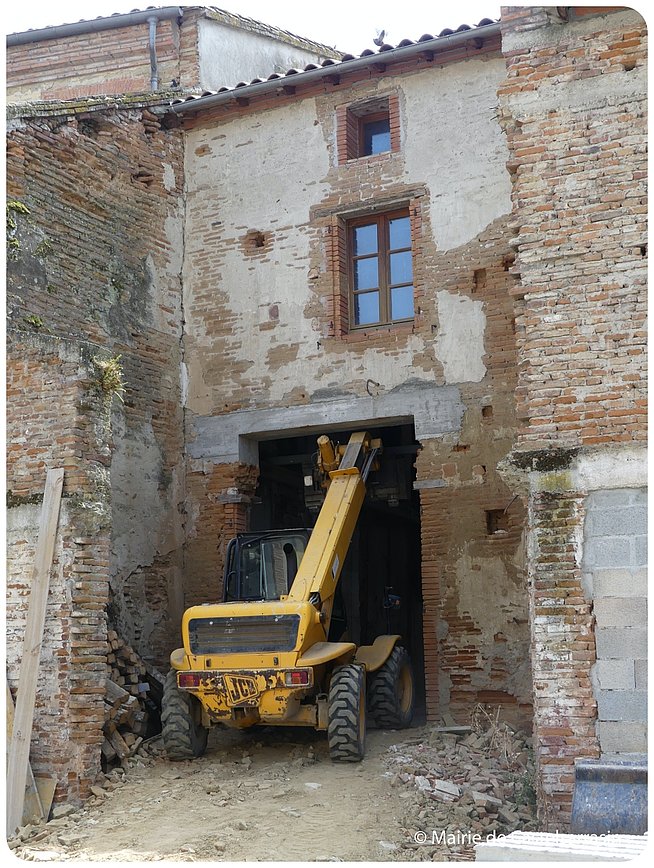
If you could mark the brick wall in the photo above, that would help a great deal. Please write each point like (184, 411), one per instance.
(573, 108)
(220, 496)
(59, 417)
(96, 259)
(103, 62)
(563, 648)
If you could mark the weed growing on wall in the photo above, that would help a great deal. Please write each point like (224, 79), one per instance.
(109, 373)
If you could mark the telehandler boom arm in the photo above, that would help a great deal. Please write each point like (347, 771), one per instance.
(345, 474)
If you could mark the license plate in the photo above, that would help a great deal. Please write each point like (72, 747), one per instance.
(239, 688)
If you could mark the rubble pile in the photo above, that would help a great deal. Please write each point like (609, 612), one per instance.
(132, 697)
(463, 785)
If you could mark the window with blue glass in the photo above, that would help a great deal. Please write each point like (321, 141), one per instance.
(375, 134)
(381, 266)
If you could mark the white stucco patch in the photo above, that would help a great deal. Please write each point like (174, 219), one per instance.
(230, 54)
(168, 176)
(138, 506)
(459, 346)
(456, 147)
(625, 467)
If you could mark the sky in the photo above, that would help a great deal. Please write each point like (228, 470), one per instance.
(349, 25)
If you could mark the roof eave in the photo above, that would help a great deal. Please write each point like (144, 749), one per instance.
(391, 55)
(113, 22)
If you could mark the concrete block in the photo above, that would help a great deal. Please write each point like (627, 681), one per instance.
(639, 554)
(620, 642)
(622, 736)
(622, 705)
(619, 582)
(607, 552)
(620, 611)
(616, 498)
(614, 675)
(640, 670)
(627, 521)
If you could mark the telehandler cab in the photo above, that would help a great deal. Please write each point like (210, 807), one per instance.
(266, 655)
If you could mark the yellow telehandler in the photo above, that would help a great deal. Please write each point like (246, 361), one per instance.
(265, 655)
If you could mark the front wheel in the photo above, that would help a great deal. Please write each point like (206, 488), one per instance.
(391, 692)
(184, 737)
(346, 730)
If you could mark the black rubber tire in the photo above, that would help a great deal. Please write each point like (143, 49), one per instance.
(391, 692)
(346, 730)
(184, 737)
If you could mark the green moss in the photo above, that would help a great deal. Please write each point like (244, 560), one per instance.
(43, 249)
(22, 499)
(544, 460)
(34, 321)
(13, 244)
(555, 481)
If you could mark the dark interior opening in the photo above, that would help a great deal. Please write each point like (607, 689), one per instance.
(381, 582)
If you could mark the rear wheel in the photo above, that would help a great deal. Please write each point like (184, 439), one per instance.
(346, 730)
(184, 737)
(391, 692)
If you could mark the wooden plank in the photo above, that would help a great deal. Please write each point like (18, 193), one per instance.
(107, 750)
(115, 694)
(115, 739)
(33, 811)
(46, 785)
(19, 748)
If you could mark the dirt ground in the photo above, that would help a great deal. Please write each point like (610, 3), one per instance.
(260, 795)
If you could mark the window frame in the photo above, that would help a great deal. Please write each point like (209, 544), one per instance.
(366, 119)
(350, 120)
(385, 287)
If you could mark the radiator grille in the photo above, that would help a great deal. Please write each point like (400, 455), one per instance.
(233, 635)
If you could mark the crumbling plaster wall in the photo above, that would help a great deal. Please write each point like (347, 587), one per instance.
(273, 321)
(265, 358)
(97, 262)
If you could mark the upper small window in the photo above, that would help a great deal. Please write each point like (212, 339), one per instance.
(381, 269)
(368, 128)
(375, 135)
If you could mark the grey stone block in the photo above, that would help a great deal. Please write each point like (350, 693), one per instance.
(614, 675)
(620, 642)
(622, 705)
(639, 554)
(640, 669)
(606, 552)
(620, 611)
(622, 736)
(615, 498)
(619, 582)
(629, 521)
